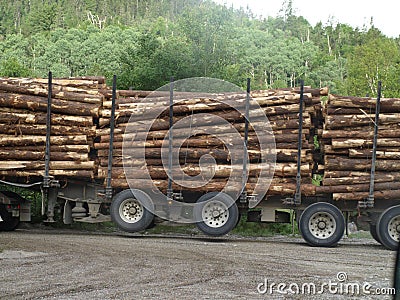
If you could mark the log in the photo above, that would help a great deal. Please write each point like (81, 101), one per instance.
(340, 121)
(55, 165)
(37, 173)
(367, 153)
(131, 162)
(159, 172)
(218, 154)
(285, 91)
(357, 196)
(387, 104)
(361, 132)
(347, 111)
(6, 140)
(53, 148)
(37, 103)
(364, 143)
(328, 149)
(38, 129)
(56, 93)
(39, 155)
(119, 161)
(359, 178)
(11, 116)
(351, 164)
(379, 186)
(64, 82)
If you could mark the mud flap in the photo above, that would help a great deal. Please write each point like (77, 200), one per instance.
(67, 215)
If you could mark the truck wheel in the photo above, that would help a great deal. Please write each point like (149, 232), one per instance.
(216, 213)
(322, 224)
(388, 227)
(374, 232)
(130, 212)
(9, 222)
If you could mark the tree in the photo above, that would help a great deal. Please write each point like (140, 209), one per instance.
(378, 59)
(42, 17)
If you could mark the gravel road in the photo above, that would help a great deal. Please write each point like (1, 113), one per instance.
(64, 264)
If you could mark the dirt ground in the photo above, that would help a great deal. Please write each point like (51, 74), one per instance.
(65, 264)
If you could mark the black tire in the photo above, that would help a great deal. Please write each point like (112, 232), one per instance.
(388, 227)
(9, 222)
(374, 232)
(130, 213)
(224, 206)
(322, 224)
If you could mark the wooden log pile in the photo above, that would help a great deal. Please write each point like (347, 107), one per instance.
(134, 130)
(347, 143)
(76, 103)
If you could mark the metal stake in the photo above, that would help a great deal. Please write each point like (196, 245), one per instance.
(111, 145)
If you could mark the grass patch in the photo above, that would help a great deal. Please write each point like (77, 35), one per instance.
(361, 235)
(245, 228)
(173, 228)
(82, 226)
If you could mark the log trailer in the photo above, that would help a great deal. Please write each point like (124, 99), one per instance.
(320, 218)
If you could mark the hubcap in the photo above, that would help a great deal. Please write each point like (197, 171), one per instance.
(215, 214)
(394, 228)
(131, 211)
(322, 225)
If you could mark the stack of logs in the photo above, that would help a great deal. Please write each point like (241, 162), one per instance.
(76, 103)
(280, 106)
(347, 143)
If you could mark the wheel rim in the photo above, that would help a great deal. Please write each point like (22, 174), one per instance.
(394, 228)
(322, 225)
(215, 214)
(131, 210)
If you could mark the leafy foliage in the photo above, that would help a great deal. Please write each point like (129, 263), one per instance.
(145, 42)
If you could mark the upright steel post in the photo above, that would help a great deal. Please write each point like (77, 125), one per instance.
(46, 179)
(246, 138)
(297, 195)
(371, 199)
(111, 145)
(170, 137)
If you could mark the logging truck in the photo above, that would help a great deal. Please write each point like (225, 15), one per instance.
(319, 209)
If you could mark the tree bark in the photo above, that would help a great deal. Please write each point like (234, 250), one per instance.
(39, 155)
(349, 178)
(340, 121)
(38, 129)
(53, 148)
(387, 104)
(363, 143)
(360, 132)
(357, 196)
(85, 174)
(37, 103)
(352, 164)
(11, 116)
(367, 153)
(6, 140)
(54, 165)
(379, 186)
(57, 93)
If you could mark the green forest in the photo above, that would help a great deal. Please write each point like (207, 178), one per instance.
(145, 42)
